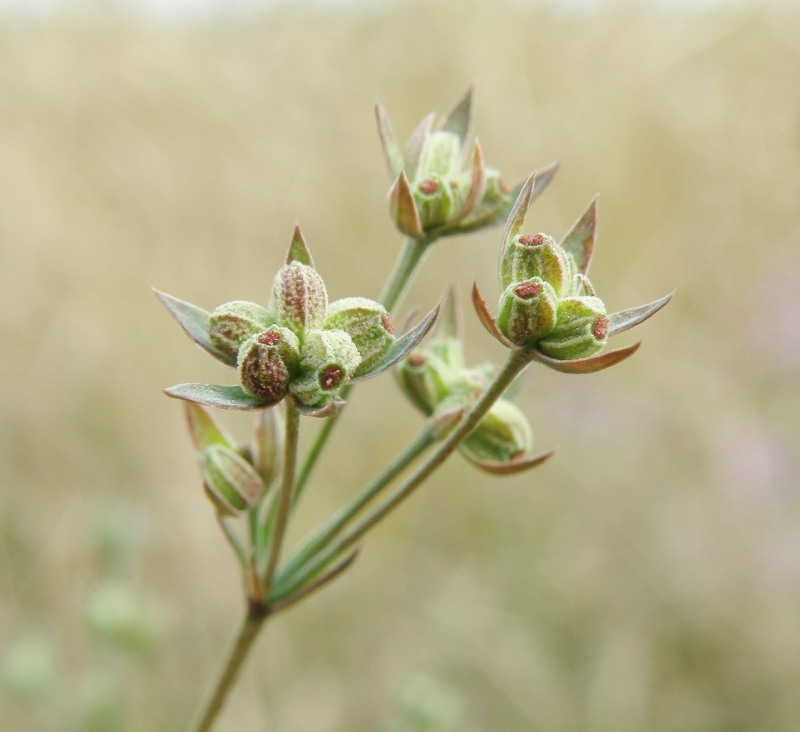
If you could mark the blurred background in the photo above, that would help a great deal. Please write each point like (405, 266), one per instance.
(646, 578)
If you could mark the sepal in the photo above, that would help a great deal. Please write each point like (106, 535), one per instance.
(624, 319)
(204, 429)
(403, 208)
(511, 467)
(580, 239)
(194, 321)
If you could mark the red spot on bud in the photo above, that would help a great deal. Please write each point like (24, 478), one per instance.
(387, 324)
(429, 187)
(532, 240)
(527, 290)
(331, 377)
(417, 360)
(269, 337)
(600, 328)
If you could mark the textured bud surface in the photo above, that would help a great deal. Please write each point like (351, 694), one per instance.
(441, 155)
(537, 255)
(299, 298)
(267, 362)
(527, 311)
(231, 480)
(368, 325)
(581, 329)
(232, 323)
(329, 360)
(434, 200)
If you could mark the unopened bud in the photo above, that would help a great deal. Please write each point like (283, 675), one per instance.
(502, 435)
(434, 200)
(231, 482)
(425, 379)
(329, 360)
(232, 323)
(299, 297)
(368, 325)
(581, 329)
(537, 255)
(441, 155)
(267, 362)
(527, 311)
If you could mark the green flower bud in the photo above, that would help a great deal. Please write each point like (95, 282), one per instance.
(29, 670)
(368, 325)
(299, 298)
(527, 256)
(113, 612)
(435, 201)
(527, 311)
(234, 322)
(425, 379)
(329, 360)
(267, 362)
(503, 434)
(441, 155)
(495, 191)
(231, 482)
(581, 329)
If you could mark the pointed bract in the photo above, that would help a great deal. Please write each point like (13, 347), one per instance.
(510, 467)
(586, 365)
(485, 317)
(298, 249)
(204, 429)
(403, 208)
(394, 159)
(459, 118)
(194, 321)
(579, 240)
(624, 319)
(415, 145)
(216, 395)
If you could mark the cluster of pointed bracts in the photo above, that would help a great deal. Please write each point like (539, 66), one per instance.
(298, 346)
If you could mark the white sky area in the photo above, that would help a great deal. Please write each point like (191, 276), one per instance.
(199, 10)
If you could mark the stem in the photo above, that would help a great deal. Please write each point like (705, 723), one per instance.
(285, 497)
(411, 256)
(229, 670)
(408, 262)
(326, 533)
(515, 363)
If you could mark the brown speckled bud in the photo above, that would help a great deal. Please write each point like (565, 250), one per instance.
(267, 363)
(232, 323)
(368, 325)
(329, 359)
(580, 331)
(527, 311)
(299, 298)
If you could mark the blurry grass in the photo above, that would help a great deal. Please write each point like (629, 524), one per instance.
(647, 578)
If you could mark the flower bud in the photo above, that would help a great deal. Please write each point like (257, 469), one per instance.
(425, 379)
(299, 298)
(527, 311)
(267, 362)
(233, 323)
(581, 329)
(441, 155)
(329, 360)
(503, 434)
(231, 482)
(434, 200)
(368, 325)
(527, 256)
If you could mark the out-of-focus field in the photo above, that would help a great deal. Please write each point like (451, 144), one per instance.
(647, 578)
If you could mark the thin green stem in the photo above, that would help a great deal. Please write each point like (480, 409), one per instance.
(408, 262)
(515, 363)
(328, 531)
(406, 266)
(285, 496)
(232, 664)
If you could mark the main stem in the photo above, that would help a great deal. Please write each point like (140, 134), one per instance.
(515, 363)
(229, 670)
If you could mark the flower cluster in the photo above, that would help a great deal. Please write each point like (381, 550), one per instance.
(299, 345)
(441, 185)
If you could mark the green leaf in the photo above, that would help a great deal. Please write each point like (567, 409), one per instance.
(194, 321)
(579, 240)
(403, 345)
(624, 319)
(216, 395)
